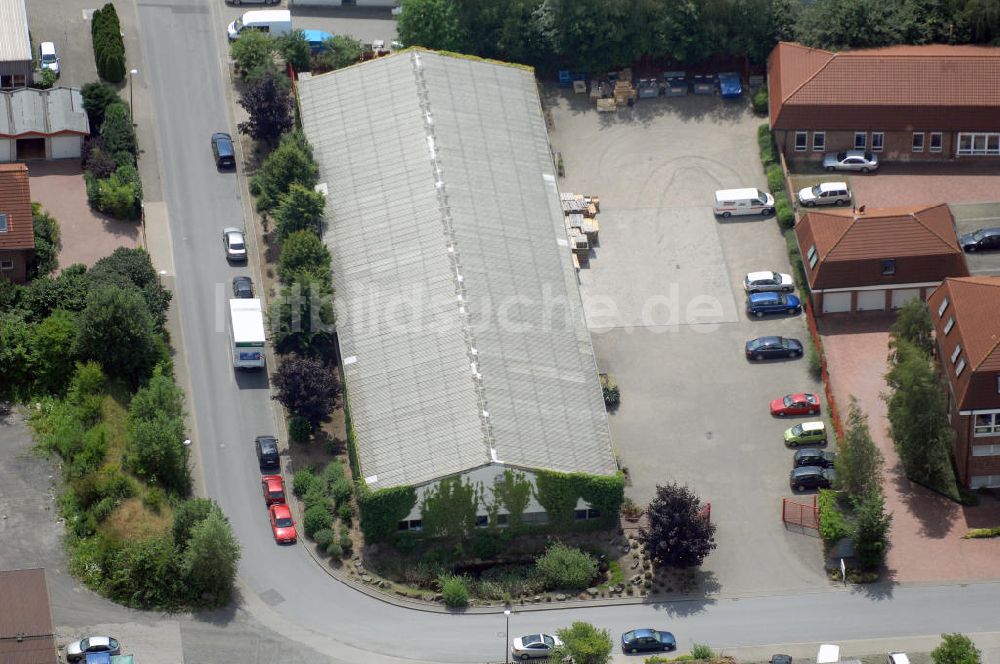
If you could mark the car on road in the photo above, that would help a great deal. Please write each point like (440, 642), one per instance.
(48, 58)
(267, 451)
(812, 456)
(760, 304)
(282, 524)
(897, 658)
(984, 239)
(223, 151)
(825, 193)
(242, 288)
(274, 489)
(78, 650)
(800, 403)
(780, 659)
(235, 244)
(638, 640)
(316, 39)
(531, 646)
(811, 477)
(237, 3)
(729, 85)
(806, 433)
(766, 281)
(851, 160)
(769, 348)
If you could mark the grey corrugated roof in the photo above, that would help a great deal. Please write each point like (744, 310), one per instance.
(14, 42)
(443, 208)
(45, 112)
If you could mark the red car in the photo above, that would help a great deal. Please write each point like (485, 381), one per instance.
(274, 489)
(795, 404)
(282, 524)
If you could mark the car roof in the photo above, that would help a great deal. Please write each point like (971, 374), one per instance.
(222, 135)
(267, 441)
(316, 35)
(271, 479)
(765, 297)
(728, 194)
(232, 231)
(813, 426)
(856, 153)
(802, 471)
(986, 231)
(762, 274)
(281, 510)
(832, 186)
(47, 47)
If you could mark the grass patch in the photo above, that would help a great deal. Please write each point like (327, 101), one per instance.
(132, 520)
(982, 533)
(114, 412)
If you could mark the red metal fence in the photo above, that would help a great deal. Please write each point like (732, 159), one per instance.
(800, 514)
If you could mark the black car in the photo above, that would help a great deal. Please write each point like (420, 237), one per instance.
(223, 151)
(811, 477)
(242, 287)
(267, 451)
(767, 348)
(810, 456)
(781, 659)
(985, 239)
(647, 639)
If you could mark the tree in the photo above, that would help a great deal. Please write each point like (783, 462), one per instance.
(68, 291)
(133, 267)
(269, 105)
(10, 294)
(97, 96)
(956, 649)
(913, 324)
(299, 209)
(843, 24)
(47, 241)
(296, 50)
(52, 357)
(117, 131)
(449, 508)
(188, 514)
(160, 396)
(339, 51)
(157, 452)
(583, 644)
(253, 51)
(117, 331)
(209, 564)
(430, 23)
(302, 319)
(305, 386)
(679, 534)
(918, 419)
(15, 355)
(303, 253)
(859, 462)
(871, 531)
(290, 163)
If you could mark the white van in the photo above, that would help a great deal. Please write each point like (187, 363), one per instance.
(729, 202)
(275, 22)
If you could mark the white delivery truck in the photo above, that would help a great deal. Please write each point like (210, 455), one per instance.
(246, 333)
(275, 22)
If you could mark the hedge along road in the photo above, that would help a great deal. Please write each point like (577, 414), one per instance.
(182, 41)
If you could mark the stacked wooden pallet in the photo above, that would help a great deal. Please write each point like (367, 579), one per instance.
(582, 227)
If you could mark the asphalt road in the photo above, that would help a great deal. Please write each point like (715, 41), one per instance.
(183, 44)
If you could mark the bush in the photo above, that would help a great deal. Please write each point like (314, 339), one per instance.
(956, 649)
(701, 651)
(759, 102)
(315, 519)
(814, 360)
(334, 550)
(454, 591)
(341, 490)
(783, 211)
(775, 178)
(290, 163)
(154, 498)
(304, 252)
(833, 526)
(252, 51)
(345, 513)
(323, 537)
(345, 541)
(295, 50)
(566, 567)
(299, 429)
(97, 96)
(109, 48)
(117, 130)
(765, 143)
(302, 480)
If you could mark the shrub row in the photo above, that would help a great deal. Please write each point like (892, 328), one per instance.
(112, 179)
(109, 47)
(325, 496)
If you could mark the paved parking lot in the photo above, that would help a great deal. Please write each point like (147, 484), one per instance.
(915, 184)
(972, 216)
(664, 302)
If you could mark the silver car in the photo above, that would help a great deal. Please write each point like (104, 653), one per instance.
(531, 646)
(761, 282)
(235, 244)
(851, 160)
(78, 650)
(825, 193)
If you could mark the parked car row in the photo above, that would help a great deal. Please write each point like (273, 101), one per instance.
(273, 486)
(533, 646)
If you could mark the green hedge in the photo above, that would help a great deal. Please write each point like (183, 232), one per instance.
(760, 102)
(558, 494)
(775, 178)
(783, 210)
(109, 47)
(382, 509)
(768, 152)
(832, 525)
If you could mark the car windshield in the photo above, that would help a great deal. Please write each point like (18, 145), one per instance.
(282, 523)
(788, 401)
(48, 58)
(628, 636)
(275, 494)
(869, 156)
(238, 24)
(841, 156)
(531, 638)
(236, 245)
(811, 398)
(817, 190)
(797, 430)
(761, 197)
(548, 640)
(978, 235)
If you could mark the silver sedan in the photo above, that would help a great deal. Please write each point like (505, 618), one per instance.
(851, 160)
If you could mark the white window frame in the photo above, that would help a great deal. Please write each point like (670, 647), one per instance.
(992, 429)
(4, 223)
(985, 450)
(6, 266)
(955, 353)
(960, 367)
(981, 143)
(940, 142)
(881, 141)
(864, 140)
(805, 141)
(950, 324)
(917, 145)
(942, 307)
(819, 141)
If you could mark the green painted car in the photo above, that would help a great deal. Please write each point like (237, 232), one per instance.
(806, 433)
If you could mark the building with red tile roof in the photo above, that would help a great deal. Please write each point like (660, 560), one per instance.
(17, 235)
(26, 634)
(966, 316)
(903, 103)
(877, 259)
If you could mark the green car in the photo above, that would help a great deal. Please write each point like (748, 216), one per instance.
(806, 433)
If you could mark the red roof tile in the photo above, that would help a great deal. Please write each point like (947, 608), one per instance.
(898, 87)
(15, 202)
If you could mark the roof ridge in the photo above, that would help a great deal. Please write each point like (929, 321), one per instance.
(840, 239)
(916, 216)
(833, 56)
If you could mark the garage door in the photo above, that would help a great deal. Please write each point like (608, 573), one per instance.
(836, 302)
(871, 300)
(901, 296)
(66, 147)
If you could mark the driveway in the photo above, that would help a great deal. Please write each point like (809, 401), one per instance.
(916, 184)
(86, 235)
(927, 528)
(970, 217)
(665, 306)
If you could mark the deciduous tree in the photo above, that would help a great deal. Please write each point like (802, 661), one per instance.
(290, 163)
(209, 563)
(302, 319)
(430, 23)
(303, 253)
(679, 534)
(913, 324)
(583, 644)
(116, 330)
(306, 386)
(859, 462)
(871, 530)
(269, 105)
(299, 209)
(956, 649)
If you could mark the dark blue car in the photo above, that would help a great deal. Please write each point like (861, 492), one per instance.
(729, 85)
(759, 304)
(767, 348)
(639, 640)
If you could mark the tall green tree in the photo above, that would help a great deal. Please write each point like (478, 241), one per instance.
(430, 23)
(290, 163)
(160, 396)
(859, 462)
(296, 50)
(339, 51)
(956, 649)
(871, 529)
(188, 514)
(449, 508)
(302, 320)
(913, 324)
(15, 355)
(209, 564)
(97, 96)
(157, 452)
(52, 356)
(303, 253)
(583, 644)
(116, 330)
(253, 53)
(118, 132)
(47, 241)
(843, 24)
(299, 209)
